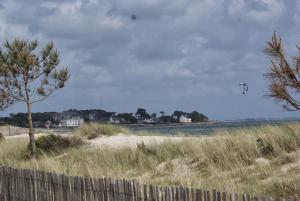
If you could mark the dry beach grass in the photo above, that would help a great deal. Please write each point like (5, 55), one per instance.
(262, 161)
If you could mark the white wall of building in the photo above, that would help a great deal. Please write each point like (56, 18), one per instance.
(184, 119)
(72, 122)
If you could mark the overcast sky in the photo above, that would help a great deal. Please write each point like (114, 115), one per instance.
(177, 55)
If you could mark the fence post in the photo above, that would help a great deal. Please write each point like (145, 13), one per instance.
(145, 192)
(214, 192)
(218, 196)
(234, 197)
(246, 197)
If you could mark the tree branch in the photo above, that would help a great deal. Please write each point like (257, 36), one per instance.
(46, 96)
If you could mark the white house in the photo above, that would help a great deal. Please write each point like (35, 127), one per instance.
(75, 121)
(147, 121)
(71, 118)
(72, 122)
(114, 120)
(184, 119)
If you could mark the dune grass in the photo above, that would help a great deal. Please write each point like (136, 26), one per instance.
(93, 130)
(232, 161)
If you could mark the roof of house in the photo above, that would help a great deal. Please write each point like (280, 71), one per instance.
(70, 114)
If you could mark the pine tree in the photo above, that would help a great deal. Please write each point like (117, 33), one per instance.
(284, 75)
(29, 77)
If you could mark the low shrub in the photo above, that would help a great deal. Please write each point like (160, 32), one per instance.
(265, 148)
(1, 137)
(56, 143)
(93, 130)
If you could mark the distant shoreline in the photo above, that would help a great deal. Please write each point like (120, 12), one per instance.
(211, 123)
(168, 124)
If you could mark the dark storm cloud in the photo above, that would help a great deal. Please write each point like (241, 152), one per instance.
(187, 54)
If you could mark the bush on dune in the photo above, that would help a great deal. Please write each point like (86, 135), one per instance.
(94, 130)
(56, 143)
(1, 137)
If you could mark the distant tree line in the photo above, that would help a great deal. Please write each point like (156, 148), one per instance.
(98, 115)
(38, 119)
(175, 117)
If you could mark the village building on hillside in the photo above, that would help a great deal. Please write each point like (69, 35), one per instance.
(72, 122)
(71, 118)
(184, 119)
(114, 120)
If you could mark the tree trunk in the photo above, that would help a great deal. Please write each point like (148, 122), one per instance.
(31, 133)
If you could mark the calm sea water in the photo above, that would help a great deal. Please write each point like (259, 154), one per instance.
(206, 128)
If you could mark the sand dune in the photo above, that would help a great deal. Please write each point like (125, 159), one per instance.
(120, 140)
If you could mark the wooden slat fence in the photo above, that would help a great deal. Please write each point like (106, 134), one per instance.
(13, 130)
(33, 185)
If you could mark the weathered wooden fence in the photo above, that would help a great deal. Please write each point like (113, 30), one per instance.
(13, 130)
(33, 185)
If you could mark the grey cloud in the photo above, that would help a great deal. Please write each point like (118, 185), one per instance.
(187, 55)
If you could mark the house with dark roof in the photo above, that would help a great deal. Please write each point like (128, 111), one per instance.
(71, 118)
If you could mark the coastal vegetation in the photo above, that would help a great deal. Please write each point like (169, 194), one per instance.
(262, 161)
(29, 77)
(94, 130)
(55, 144)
